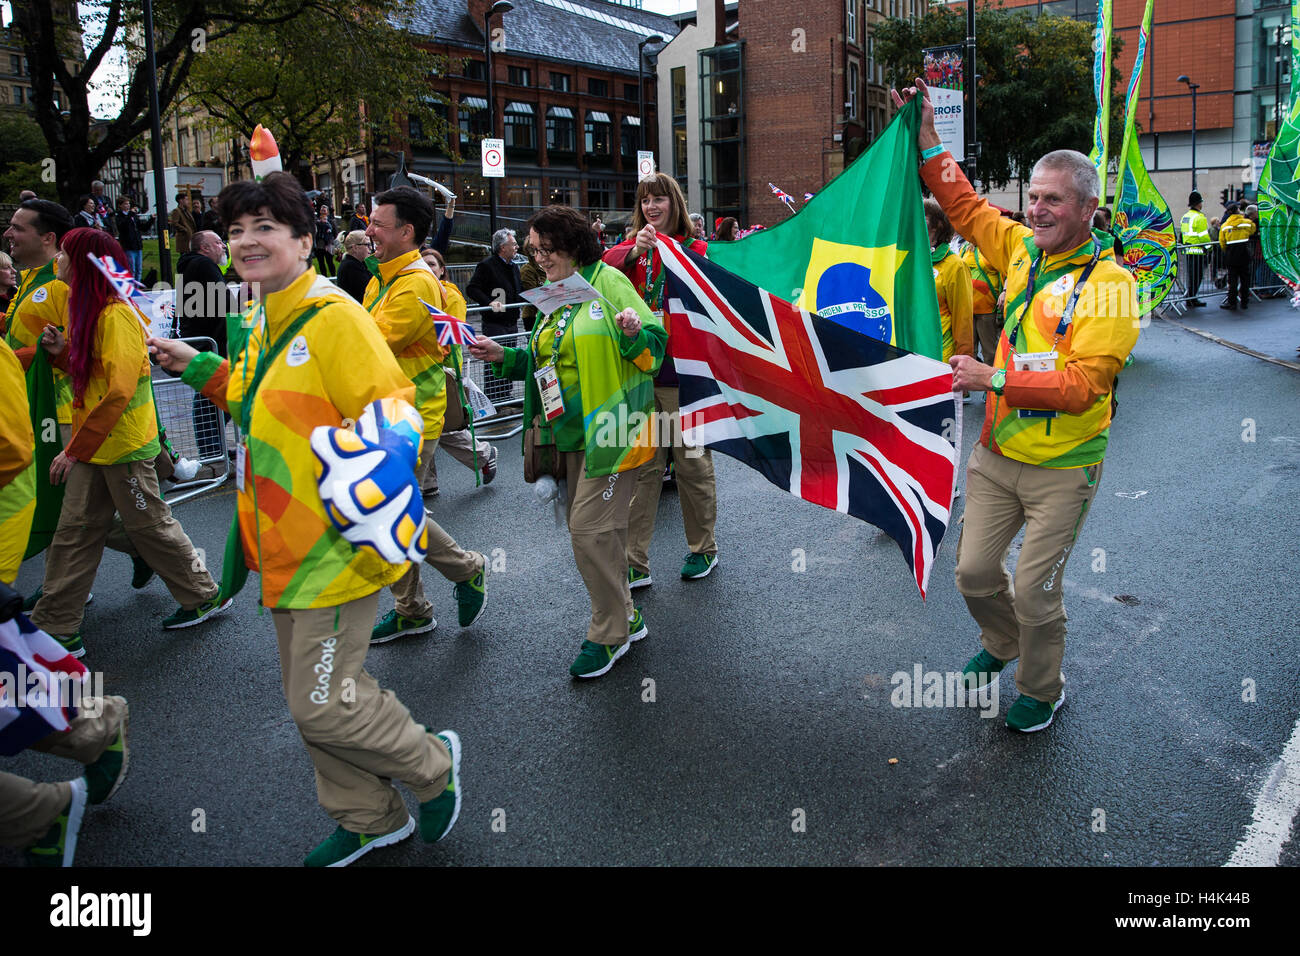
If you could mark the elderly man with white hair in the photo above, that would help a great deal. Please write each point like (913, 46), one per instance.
(1071, 320)
(495, 282)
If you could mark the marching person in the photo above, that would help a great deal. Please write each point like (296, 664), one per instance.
(460, 443)
(661, 210)
(108, 463)
(590, 358)
(1072, 319)
(399, 220)
(1196, 236)
(314, 357)
(986, 290)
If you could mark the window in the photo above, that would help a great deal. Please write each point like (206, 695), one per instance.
(561, 130)
(560, 82)
(15, 64)
(722, 133)
(414, 129)
(562, 192)
(521, 127)
(851, 20)
(476, 70)
(519, 75)
(679, 156)
(679, 91)
(893, 8)
(597, 129)
(521, 191)
(472, 116)
(629, 92)
(600, 193)
(853, 90)
(630, 136)
(18, 96)
(872, 69)
(597, 87)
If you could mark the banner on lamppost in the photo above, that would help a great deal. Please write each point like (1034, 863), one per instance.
(944, 75)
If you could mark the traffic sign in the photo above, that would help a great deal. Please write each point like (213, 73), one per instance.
(645, 164)
(494, 158)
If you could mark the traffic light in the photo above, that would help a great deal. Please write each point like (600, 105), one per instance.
(1224, 195)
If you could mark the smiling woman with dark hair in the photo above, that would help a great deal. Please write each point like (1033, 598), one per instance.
(588, 371)
(312, 356)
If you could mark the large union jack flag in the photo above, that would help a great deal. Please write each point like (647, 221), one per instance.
(451, 330)
(826, 413)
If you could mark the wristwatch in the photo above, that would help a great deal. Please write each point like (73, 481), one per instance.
(998, 381)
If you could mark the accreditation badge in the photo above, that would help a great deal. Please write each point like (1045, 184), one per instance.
(548, 383)
(241, 462)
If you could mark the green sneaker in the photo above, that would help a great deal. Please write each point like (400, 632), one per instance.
(637, 578)
(438, 816)
(30, 604)
(471, 597)
(595, 659)
(392, 626)
(106, 774)
(1028, 715)
(141, 573)
(981, 669)
(343, 846)
(59, 845)
(698, 566)
(184, 618)
(72, 644)
(636, 628)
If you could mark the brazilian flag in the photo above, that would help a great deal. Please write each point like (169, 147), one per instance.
(858, 252)
(45, 423)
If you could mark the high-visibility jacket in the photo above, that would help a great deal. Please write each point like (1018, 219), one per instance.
(17, 465)
(1236, 229)
(393, 298)
(115, 420)
(952, 286)
(986, 282)
(333, 368)
(41, 300)
(1058, 418)
(1196, 231)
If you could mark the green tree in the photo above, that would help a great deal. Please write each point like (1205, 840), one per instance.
(22, 147)
(318, 81)
(1034, 92)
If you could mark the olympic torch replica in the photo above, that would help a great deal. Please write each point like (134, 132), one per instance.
(263, 152)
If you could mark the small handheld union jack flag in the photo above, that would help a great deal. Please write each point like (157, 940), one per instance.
(123, 283)
(451, 330)
(781, 194)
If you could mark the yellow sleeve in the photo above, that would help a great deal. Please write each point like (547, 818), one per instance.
(997, 237)
(121, 350)
(17, 440)
(365, 365)
(961, 306)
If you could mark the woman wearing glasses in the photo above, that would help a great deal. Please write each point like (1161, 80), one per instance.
(353, 275)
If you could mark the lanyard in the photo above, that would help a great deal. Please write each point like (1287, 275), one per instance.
(653, 291)
(265, 359)
(1068, 314)
(561, 324)
(38, 280)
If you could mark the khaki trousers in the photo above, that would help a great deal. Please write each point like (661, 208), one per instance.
(597, 512)
(359, 737)
(462, 446)
(92, 495)
(29, 809)
(447, 557)
(1027, 621)
(118, 539)
(987, 329)
(696, 489)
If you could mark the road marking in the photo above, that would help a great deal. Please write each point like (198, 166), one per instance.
(1275, 810)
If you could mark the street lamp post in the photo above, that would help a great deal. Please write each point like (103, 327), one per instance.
(501, 6)
(155, 150)
(1192, 87)
(640, 82)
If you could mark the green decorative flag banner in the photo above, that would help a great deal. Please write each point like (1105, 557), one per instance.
(850, 257)
(1279, 184)
(1142, 218)
(49, 498)
(1101, 37)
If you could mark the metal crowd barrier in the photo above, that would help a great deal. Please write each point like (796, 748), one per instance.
(195, 427)
(507, 396)
(1264, 282)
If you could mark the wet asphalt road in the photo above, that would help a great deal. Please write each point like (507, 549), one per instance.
(771, 686)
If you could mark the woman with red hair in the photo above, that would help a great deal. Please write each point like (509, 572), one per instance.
(108, 463)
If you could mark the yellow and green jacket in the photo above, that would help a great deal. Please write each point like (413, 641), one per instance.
(605, 377)
(115, 420)
(41, 300)
(17, 465)
(336, 364)
(952, 285)
(1058, 418)
(393, 298)
(986, 282)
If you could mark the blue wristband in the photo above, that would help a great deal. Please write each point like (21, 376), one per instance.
(932, 152)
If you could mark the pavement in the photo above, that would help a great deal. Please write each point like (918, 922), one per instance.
(1270, 328)
(754, 725)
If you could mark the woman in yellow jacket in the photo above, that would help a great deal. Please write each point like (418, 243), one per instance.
(108, 463)
(952, 284)
(312, 356)
(459, 443)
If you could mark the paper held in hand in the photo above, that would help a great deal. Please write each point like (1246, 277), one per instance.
(572, 290)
